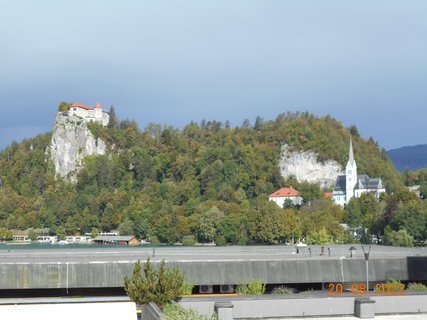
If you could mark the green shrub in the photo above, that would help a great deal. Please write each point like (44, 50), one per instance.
(417, 287)
(393, 281)
(150, 285)
(173, 311)
(307, 291)
(221, 241)
(188, 240)
(253, 287)
(154, 240)
(187, 288)
(281, 290)
(390, 282)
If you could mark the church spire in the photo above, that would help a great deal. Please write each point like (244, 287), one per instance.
(350, 154)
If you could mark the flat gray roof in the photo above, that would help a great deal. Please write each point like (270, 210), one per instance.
(11, 254)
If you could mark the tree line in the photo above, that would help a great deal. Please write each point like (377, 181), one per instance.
(208, 181)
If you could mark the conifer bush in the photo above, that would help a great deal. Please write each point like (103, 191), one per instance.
(150, 285)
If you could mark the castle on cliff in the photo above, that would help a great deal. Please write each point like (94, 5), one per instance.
(96, 113)
(352, 184)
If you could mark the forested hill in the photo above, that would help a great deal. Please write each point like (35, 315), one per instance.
(169, 183)
(412, 157)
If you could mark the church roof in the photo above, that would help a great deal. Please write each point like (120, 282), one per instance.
(340, 184)
(285, 192)
(364, 182)
(350, 154)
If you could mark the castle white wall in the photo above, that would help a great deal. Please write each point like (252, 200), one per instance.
(105, 118)
(96, 115)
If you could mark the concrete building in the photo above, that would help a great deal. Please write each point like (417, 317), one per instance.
(350, 184)
(96, 113)
(79, 270)
(283, 194)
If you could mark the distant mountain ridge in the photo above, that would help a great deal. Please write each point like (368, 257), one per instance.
(409, 157)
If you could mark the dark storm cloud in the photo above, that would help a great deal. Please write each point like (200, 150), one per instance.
(170, 62)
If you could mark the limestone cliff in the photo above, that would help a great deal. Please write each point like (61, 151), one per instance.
(71, 142)
(303, 165)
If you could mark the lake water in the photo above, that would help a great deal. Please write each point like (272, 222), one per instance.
(15, 246)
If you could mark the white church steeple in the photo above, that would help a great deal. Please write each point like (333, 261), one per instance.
(351, 174)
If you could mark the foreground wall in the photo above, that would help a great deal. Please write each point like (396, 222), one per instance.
(279, 306)
(78, 309)
(111, 274)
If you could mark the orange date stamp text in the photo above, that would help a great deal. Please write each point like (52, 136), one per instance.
(380, 288)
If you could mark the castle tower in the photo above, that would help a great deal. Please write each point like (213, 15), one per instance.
(98, 112)
(350, 174)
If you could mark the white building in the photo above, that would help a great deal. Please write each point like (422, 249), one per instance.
(47, 239)
(78, 239)
(350, 184)
(283, 194)
(96, 113)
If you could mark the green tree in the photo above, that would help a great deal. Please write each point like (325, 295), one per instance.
(399, 238)
(319, 237)
(188, 240)
(267, 223)
(310, 191)
(354, 131)
(5, 234)
(32, 235)
(126, 228)
(150, 285)
(64, 106)
(61, 233)
(208, 224)
(94, 233)
(113, 122)
(412, 217)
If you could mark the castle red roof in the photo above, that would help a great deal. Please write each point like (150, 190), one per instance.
(83, 106)
(79, 105)
(285, 192)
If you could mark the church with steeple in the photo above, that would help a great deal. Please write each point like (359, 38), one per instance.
(350, 184)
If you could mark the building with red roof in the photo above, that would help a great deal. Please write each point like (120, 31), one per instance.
(95, 113)
(283, 194)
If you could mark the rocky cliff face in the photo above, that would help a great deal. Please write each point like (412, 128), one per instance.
(71, 142)
(304, 166)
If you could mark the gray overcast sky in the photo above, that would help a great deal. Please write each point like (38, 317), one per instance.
(170, 62)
